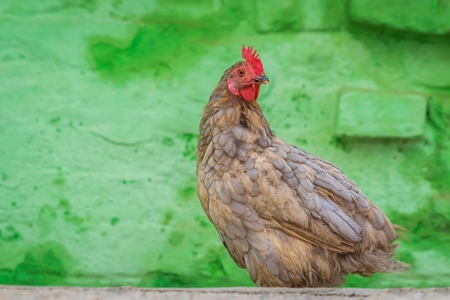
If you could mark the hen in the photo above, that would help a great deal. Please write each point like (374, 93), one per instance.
(290, 218)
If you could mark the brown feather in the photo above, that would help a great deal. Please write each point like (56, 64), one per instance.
(290, 218)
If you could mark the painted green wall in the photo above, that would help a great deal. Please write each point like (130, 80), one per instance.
(99, 109)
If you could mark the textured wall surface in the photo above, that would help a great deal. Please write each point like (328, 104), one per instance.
(99, 109)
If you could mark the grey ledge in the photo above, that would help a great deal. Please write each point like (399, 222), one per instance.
(133, 293)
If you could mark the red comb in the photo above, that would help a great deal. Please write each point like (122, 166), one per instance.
(252, 58)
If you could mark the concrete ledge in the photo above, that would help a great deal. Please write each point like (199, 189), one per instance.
(131, 293)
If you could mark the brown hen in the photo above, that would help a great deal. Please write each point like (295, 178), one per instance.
(290, 218)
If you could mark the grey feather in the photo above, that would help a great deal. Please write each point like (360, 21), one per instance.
(296, 158)
(284, 148)
(378, 222)
(224, 195)
(343, 225)
(257, 225)
(255, 189)
(230, 147)
(237, 186)
(278, 163)
(218, 154)
(281, 154)
(253, 174)
(223, 139)
(307, 185)
(273, 265)
(258, 240)
(305, 195)
(250, 164)
(244, 244)
(238, 198)
(212, 188)
(327, 204)
(239, 208)
(238, 231)
(238, 133)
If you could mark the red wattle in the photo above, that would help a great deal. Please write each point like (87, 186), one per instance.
(257, 91)
(250, 92)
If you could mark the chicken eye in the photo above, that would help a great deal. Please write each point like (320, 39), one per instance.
(241, 73)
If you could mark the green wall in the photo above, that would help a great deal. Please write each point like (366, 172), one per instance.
(99, 109)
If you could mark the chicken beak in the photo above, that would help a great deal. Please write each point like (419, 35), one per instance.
(261, 79)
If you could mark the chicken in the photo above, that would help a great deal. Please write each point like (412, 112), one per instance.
(290, 218)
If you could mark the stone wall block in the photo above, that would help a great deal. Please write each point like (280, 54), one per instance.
(292, 15)
(428, 17)
(381, 114)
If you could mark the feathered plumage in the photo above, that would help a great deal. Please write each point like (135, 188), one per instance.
(290, 218)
